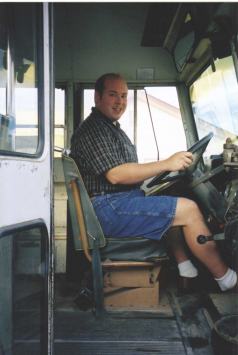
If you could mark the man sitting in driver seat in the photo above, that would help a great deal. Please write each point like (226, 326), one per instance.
(112, 175)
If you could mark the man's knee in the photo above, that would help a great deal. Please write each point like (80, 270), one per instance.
(187, 210)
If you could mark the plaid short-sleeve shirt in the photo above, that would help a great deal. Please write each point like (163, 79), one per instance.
(97, 146)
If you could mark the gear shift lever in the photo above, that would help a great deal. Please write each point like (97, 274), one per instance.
(202, 239)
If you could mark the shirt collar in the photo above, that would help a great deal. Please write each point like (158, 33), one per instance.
(104, 118)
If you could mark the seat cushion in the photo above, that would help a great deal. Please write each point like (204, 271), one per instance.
(133, 249)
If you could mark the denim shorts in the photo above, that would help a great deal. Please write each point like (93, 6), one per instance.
(132, 214)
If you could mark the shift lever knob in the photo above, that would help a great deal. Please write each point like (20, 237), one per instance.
(202, 239)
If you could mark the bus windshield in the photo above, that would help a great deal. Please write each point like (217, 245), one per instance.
(215, 107)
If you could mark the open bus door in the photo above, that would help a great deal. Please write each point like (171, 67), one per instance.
(135, 40)
(25, 179)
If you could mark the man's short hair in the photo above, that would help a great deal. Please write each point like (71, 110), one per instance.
(99, 85)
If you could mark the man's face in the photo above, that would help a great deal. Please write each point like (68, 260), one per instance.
(114, 99)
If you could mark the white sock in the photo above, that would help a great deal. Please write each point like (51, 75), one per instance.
(187, 269)
(227, 281)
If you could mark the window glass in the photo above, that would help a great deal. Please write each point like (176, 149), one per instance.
(167, 122)
(215, 105)
(26, 119)
(19, 119)
(23, 292)
(88, 102)
(136, 121)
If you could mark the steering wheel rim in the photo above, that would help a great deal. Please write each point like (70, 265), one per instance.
(197, 150)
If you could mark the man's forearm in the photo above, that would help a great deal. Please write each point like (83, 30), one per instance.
(132, 173)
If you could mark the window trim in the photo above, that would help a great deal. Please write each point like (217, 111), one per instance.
(64, 87)
(41, 92)
(25, 226)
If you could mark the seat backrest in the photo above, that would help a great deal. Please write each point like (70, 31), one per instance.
(76, 190)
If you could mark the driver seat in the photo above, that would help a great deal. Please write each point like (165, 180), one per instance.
(125, 270)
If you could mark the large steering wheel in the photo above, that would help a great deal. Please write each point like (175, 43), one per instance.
(197, 149)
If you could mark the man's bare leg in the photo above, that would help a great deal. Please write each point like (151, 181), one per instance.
(190, 218)
(176, 243)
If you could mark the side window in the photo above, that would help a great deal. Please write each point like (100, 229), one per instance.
(215, 106)
(19, 79)
(152, 119)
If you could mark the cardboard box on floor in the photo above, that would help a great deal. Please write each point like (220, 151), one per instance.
(133, 288)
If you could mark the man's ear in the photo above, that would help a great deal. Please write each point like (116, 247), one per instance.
(96, 98)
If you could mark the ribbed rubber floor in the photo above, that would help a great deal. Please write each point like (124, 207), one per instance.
(105, 348)
(120, 348)
(85, 335)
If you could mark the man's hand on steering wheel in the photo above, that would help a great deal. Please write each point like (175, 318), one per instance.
(184, 163)
(179, 161)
